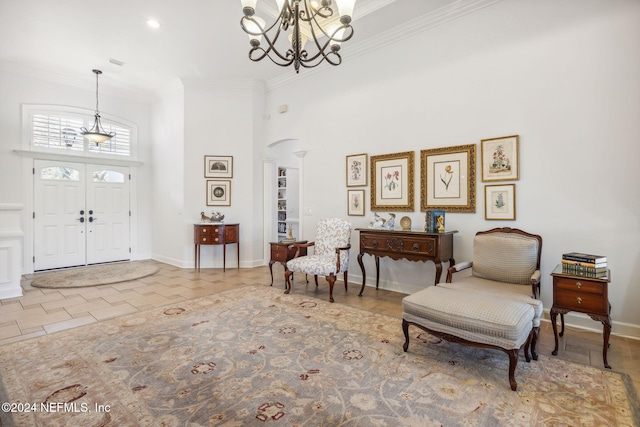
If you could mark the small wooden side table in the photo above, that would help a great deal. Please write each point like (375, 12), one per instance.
(281, 253)
(585, 295)
(216, 234)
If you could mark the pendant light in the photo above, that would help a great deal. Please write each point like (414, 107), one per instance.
(97, 134)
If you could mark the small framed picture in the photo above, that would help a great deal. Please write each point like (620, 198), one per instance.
(500, 159)
(500, 202)
(218, 166)
(218, 193)
(356, 170)
(355, 202)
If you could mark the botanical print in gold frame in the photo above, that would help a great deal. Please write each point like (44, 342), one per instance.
(355, 202)
(218, 166)
(500, 159)
(500, 202)
(392, 182)
(448, 179)
(356, 170)
(218, 192)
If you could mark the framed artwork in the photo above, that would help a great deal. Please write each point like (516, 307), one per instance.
(392, 182)
(500, 202)
(499, 157)
(356, 170)
(218, 192)
(355, 202)
(448, 179)
(218, 166)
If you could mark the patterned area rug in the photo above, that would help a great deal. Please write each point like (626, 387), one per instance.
(94, 275)
(254, 356)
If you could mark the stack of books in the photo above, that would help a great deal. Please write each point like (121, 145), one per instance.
(585, 265)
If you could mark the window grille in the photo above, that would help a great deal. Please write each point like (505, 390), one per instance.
(60, 130)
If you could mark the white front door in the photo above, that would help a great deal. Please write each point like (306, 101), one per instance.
(81, 214)
(59, 227)
(107, 213)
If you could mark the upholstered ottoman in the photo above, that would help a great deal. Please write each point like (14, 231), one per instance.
(471, 319)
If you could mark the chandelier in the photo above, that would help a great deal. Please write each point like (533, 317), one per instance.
(306, 24)
(97, 134)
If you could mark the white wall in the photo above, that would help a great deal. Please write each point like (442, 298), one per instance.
(222, 119)
(562, 75)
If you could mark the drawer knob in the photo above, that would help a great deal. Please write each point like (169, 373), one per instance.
(579, 300)
(416, 247)
(216, 239)
(204, 239)
(204, 230)
(215, 230)
(579, 285)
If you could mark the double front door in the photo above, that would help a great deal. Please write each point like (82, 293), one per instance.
(81, 214)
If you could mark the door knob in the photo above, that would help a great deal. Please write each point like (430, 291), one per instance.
(81, 219)
(91, 219)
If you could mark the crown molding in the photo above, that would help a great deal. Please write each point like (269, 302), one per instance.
(85, 83)
(443, 15)
(196, 82)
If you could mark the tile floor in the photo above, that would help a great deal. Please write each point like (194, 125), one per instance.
(44, 311)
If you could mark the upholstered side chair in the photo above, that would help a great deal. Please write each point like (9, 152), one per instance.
(330, 254)
(506, 263)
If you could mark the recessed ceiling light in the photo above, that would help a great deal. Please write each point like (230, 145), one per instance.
(153, 23)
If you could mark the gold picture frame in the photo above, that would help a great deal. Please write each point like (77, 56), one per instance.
(356, 170)
(218, 192)
(500, 202)
(392, 182)
(448, 179)
(500, 159)
(355, 202)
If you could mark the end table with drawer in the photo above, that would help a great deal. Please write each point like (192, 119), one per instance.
(586, 295)
(216, 234)
(281, 252)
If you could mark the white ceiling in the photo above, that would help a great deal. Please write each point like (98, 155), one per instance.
(197, 39)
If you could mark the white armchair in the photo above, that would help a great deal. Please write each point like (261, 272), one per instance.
(330, 256)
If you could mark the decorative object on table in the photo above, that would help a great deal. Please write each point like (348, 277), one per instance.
(440, 222)
(584, 265)
(499, 158)
(218, 193)
(301, 19)
(290, 237)
(391, 222)
(392, 182)
(356, 170)
(377, 221)
(204, 218)
(431, 220)
(218, 166)
(355, 202)
(500, 202)
(217, 217)
(405, 223)
(97, 134)
(448, 179)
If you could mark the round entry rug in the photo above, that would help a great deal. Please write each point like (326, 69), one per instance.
(94, 275)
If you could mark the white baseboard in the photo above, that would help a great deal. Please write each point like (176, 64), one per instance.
(583, 321)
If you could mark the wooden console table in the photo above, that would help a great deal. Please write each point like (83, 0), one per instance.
(585, 295)
(409, 245)
(280, 252)
(216, 234)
